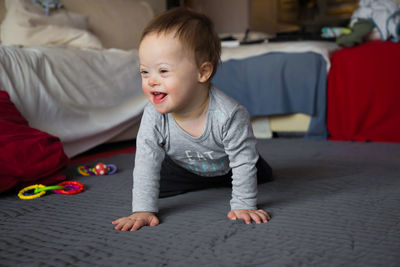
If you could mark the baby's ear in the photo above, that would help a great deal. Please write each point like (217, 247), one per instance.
(205, 71)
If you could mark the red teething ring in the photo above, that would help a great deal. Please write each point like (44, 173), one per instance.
(71, 188)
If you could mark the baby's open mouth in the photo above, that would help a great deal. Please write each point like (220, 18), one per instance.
(158, 97)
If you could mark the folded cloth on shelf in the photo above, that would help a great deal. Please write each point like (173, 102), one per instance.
(385, 14)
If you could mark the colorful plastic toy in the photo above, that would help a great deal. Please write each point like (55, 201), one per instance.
(99, 169)
(22, 194)
(70, 188)
(333, 32)
(38, 190)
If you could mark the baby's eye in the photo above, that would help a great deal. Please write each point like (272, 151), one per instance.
(163, 71)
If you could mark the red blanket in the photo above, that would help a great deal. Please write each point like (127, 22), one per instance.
(28, 156)
(364, 93)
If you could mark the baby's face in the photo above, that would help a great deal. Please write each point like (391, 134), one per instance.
(170, 76)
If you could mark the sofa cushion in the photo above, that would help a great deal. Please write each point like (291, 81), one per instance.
(28, 156)
(26, 24)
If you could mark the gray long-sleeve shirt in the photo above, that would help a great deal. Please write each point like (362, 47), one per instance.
(226, 143)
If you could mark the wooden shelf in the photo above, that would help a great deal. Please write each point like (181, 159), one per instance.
(316, 12)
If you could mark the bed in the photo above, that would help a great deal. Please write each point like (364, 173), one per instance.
(332, 204)
(87, 97)
(74, 83)
(71, 86)
(70, 74)
(284, 82)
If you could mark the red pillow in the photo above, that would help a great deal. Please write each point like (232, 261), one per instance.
(27, 156)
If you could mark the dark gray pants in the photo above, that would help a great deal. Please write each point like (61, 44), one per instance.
(177, 180)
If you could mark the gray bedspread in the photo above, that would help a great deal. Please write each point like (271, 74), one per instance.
(332, 204)
(279, 83)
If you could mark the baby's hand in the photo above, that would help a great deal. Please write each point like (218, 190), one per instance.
(259, 216)
(136, 221)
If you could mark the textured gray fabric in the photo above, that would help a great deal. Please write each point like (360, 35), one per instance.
(332, 204)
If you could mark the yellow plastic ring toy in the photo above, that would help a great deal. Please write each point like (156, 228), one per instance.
(32, 187)
(83, 171)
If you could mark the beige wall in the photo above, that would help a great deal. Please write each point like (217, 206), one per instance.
(236, 16)
(227, 15)
(2, 9)
(158, 5)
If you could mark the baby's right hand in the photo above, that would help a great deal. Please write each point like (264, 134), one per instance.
(136, 221)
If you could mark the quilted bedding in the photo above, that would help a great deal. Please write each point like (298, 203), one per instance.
(332, 204)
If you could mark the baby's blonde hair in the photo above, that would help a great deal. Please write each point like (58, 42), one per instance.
(194, 30)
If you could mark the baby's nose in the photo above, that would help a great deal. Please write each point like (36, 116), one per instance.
(153, 81)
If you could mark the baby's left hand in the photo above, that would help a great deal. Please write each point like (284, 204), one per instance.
(258, 216)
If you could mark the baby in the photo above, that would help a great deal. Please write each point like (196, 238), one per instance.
(192, 136)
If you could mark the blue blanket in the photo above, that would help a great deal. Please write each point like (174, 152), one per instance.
(279, 83)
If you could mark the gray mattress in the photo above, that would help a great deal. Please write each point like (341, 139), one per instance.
(332, 204)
